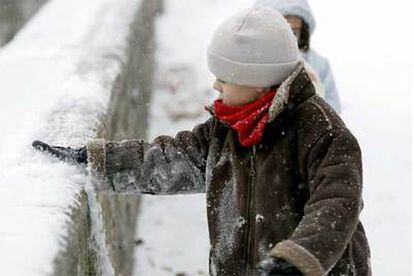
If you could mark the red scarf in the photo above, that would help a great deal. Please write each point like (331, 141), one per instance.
(247, 120)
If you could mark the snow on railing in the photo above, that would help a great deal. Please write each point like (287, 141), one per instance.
(70, 75)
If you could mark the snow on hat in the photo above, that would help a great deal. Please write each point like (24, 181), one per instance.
(255, 47)
(299, 8)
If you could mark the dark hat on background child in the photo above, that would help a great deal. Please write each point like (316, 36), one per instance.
(255, 47)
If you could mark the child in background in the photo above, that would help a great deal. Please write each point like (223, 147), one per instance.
(299, 15)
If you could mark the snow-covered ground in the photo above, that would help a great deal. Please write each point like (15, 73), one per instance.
(364, 41)
(54, 81)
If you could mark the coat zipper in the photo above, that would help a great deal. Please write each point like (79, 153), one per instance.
(250, 218)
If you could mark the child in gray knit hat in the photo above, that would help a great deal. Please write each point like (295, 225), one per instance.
(281, 172)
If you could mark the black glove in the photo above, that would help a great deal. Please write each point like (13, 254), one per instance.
(272, 266)
(78, 156)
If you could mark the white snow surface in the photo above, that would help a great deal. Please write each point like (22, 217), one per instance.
(55, 84)
(365, 43)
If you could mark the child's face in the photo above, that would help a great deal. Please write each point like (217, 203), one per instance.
(296, 24)
(233, 94)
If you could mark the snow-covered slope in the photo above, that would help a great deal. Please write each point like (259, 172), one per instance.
(54, 87)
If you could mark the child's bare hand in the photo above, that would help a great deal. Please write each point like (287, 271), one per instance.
(78, 156)
(277, 267)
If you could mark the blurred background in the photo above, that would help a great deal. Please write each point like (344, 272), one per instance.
(14, 14)
(369, 45)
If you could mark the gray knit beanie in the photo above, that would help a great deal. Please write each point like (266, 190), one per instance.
(255, 47)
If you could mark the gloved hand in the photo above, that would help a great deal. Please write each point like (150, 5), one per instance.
(272, 266)
(77, 156)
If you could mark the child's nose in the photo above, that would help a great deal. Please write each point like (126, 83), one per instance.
(217, 86)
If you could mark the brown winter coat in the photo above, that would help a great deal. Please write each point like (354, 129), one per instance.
(296, 195)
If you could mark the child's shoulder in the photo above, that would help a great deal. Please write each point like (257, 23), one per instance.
(315, 115)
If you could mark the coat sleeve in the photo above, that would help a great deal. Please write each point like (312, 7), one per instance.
(331, 213)
(168, 165)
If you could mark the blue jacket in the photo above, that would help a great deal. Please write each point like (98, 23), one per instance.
(323, 69)
(318, 63)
